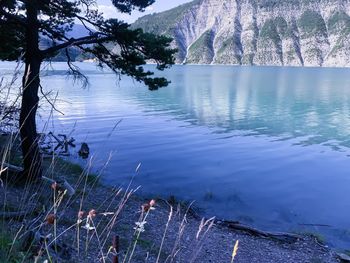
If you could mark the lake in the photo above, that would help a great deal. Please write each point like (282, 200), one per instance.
(266, 146)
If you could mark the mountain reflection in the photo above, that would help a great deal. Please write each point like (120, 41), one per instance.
(309, 103)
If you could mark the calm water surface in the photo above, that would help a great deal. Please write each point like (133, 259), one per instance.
(263, 145)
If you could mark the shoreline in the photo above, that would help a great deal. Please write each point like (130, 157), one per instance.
(226, 65)
(221, 237)
(170, 228)
(213, 246)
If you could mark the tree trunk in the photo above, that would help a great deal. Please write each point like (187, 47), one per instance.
(30, 149)
(30, 82)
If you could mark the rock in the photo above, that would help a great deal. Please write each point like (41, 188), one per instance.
(269, 32)
(84, 151)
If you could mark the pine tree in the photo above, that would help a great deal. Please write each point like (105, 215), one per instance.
(23, 23)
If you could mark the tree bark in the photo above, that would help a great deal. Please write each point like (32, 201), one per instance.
(30, 82)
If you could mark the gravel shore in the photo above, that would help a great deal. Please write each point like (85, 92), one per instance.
(183, 241)
(82, 227)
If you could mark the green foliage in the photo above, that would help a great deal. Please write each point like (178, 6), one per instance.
(314, 52)
(136, 48)
(225, 51)
(75, 53)
(225, 45)
(21, 29)
(163, 23)
(275, 29)
(12, 37)
(306, 2)
(204, 40)
(311, 23)
(339, 24)
(281, 26)
(201, 49)
(126, 6)
(271, 4)
(269, 30)
(339, 21)
(291, 54)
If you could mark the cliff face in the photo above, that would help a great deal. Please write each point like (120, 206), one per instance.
(257, 32)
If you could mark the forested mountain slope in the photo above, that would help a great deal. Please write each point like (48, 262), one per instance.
(259, 32)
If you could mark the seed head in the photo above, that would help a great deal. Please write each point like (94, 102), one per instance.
(50, 219)
(54, 185)
(81, 214)
(152, 203)
(92, 213)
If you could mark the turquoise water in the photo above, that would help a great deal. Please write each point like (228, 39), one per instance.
(263, 145)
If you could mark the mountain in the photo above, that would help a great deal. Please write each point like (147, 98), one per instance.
(79, 31)
(257, 32)
(74, 53)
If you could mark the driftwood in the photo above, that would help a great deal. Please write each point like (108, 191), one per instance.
(280, 236)
(237, 226)
(13, 168)
(63, 143)
(59, 144)
(61, 182)
(343, 257)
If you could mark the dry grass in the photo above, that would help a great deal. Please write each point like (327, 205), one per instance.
(55, 219)
(56, 227)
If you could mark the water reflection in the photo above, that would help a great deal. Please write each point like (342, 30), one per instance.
(278, 102)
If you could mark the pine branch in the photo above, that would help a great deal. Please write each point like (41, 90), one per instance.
(93, 39)
(14, 18)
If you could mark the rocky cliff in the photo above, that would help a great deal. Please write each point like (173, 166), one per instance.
(257, 32)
